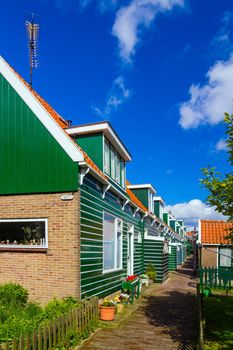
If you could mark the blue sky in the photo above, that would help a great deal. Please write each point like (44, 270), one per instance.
(159, 70)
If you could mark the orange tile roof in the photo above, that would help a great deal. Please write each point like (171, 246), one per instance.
(62, 123)
(133, 198)
(215, 231)
(189, 234)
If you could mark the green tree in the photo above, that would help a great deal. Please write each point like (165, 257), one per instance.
(219, 186)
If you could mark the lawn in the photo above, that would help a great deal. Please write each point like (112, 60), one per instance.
(218, 311)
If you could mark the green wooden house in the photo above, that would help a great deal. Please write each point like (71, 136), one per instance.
(70, 223)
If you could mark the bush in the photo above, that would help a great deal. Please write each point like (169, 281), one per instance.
(13, 294)
(151, 272)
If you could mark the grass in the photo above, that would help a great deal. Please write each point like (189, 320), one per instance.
(218, 311)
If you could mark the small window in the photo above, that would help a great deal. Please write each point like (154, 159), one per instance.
(113, 165)
(23, 233)
(122, 173)
(112, 243)
(118, 169)
(225, 257)
(106, 158)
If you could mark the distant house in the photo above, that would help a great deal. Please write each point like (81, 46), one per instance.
(70, 223)
(216, 250)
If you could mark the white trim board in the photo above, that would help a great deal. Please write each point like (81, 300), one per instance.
(36, 107)
(142, 186)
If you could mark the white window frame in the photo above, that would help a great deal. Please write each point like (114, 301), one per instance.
(226, 255)
(116, 220)
(27, 246)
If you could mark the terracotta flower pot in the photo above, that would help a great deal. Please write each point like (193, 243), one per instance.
(107, 313)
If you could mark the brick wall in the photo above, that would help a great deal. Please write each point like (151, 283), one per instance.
(55, 272)
(209, 258)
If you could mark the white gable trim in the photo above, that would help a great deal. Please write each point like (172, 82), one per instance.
(51, 125)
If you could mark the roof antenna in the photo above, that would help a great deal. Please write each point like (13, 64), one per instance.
(32, 31)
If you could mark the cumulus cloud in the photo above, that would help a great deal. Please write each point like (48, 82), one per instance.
(132, 19)
(208, 102)
(117, 95)
(221, 145)
(193, 210)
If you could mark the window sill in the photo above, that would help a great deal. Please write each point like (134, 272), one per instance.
(24, 249)
(112, 270)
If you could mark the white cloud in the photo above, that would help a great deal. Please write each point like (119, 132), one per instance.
(193, 210)
(131, 20)
(221, 145)
(208, 103)
(117, 95)
(169, 171)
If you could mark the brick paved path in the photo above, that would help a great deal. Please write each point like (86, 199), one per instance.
(164, 321)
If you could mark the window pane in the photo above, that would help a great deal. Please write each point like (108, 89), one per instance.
(225, 260)
(109, 241)
(106, 158)
(113, 168)
(118, 170)
(119, 243)
(122, 173)
(22, 233)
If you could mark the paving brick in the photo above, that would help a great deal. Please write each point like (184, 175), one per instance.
(164, 321)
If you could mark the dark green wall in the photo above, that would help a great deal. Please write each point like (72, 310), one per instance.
(172, 259)
(165, 218)
(92, 144)
(142, 195)
(173, 224)
(31, 160)
(93, 281)
(153, 254)
(157, 208)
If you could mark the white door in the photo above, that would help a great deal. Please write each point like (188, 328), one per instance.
(130, 249)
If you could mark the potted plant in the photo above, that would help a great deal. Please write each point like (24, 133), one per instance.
(121, 301)
(107, 310)
(144, 279)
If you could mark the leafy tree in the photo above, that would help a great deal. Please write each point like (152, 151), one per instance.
(219, 186)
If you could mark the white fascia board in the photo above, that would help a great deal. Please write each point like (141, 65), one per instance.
(36, 107)
(149, 186)
(107, 130)
(160, 199)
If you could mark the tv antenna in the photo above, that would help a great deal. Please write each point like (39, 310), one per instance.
(32, 32)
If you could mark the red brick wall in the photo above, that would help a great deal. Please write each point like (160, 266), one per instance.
(55, 272)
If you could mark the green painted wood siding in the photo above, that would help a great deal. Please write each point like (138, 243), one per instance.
(31, 160)
(165, 218)
(153, 253)
(142, 194)
(157, 209)
(172, 259)
(93, 280)
(93, 145)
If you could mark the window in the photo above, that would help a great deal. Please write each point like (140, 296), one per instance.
(122, 173)
(113, 162)
(23, 233)
(112, 243)
(118, 169)
(225, 257)
(106, 158)
(114, 165)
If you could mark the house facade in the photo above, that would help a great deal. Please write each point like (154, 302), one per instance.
(215, 250)
(70, 222)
